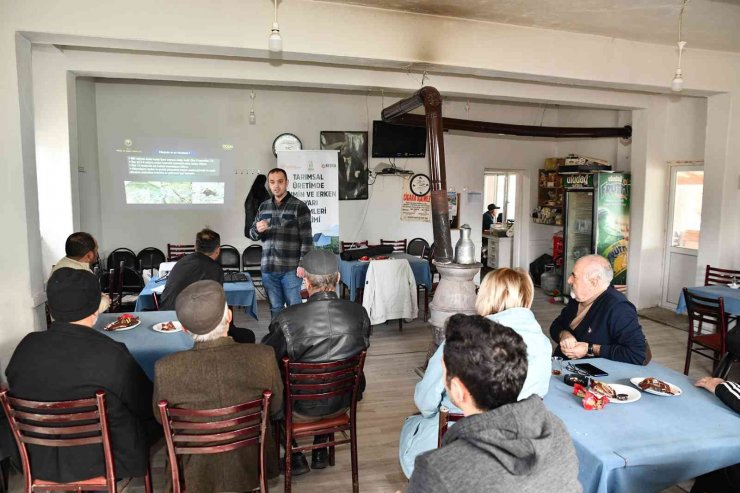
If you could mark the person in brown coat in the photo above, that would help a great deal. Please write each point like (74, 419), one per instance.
(218, 372)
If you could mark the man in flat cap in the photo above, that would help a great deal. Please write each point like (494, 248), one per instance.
(70, 361)
(218, 372)
(323, 329)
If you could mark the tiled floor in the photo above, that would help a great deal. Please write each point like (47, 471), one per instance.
(389, 399)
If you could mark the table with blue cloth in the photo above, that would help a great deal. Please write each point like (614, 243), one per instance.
(650, 444)
(237, 294)
(731, 298)
(144, 343)
(353, 272)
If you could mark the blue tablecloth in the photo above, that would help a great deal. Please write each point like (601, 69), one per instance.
(237, 294)
(731, 297)
(353, 272)
(650, 444)
(145, 344)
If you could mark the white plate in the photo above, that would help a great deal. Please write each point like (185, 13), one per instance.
(632, 394)
(363, 261)
(733, 286)
(122, 328)
(636, 382)
(158, 327)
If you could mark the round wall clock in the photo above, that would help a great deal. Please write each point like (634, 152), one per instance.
(420, 184)
(286, 142)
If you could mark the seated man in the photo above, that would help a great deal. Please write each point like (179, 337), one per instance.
(216, 373)
(201, 265)
(71, 361)
(602, 323)
(728, 478)
(323, 329)
(501, 444)
(81, 250)
(490, 217)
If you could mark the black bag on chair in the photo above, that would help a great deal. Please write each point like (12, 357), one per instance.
(356, 253)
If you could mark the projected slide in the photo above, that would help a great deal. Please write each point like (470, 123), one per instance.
(173, 172)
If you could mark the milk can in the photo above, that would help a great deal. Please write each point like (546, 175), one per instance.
(465, 249)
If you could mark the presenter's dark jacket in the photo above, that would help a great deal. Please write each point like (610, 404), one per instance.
(612, 322)
(71, 361)
(189, 269)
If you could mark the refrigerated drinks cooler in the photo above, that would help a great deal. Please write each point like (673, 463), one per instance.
(600, 199)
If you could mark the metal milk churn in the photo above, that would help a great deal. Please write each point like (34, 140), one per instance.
(465, 249)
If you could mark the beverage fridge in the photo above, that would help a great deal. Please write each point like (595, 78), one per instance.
(596, 220)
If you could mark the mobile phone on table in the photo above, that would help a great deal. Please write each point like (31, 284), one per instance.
(592, 370)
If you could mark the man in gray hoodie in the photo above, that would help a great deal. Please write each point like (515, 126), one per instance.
(501, 445)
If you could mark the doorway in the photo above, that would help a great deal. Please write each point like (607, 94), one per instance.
(682, 234)
(504, 188)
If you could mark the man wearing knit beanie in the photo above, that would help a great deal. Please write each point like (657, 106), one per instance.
(71, 360)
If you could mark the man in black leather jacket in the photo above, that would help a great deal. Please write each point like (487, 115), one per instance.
(323, 329)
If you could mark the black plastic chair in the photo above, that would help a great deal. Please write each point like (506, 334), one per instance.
(128, 257)
(229, 258)
(252, 265)
(149, 259)
(416, 247)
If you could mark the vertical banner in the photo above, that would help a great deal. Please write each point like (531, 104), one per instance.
(314, 180)
(613, 216)
(413, 207)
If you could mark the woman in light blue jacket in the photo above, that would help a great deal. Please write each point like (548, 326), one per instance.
(505, 296)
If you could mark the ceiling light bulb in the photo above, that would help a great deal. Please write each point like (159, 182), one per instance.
(275, 41)
(252, 117)
(677, 84)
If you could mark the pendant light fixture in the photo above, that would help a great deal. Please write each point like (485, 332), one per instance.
(677, 83)
(275, 41)
(252, 116)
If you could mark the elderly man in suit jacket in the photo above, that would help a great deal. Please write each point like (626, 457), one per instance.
(218, 372)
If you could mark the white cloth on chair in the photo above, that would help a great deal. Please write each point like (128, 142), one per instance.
(390, 291)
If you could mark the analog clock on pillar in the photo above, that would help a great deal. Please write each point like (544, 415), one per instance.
(286, 142)
(420, 184)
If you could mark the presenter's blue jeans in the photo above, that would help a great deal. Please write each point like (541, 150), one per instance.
(283, 288)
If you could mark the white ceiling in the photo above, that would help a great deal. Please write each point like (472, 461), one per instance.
(708, 24)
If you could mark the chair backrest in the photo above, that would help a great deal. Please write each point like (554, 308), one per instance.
(446, 417)
(150, 258)
(215, 431)
(128, 257)
(176, 252)
(715, 275)
(60, 424)
(398, 245)
(349, 245)
(417, 247)
(252, 259)
(707, 311)
(229, 258)
(319, 381)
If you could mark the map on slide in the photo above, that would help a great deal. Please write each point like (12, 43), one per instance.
(174, 192)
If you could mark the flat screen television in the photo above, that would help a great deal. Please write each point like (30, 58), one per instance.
(390, 140)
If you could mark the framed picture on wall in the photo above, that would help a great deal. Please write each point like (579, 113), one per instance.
(353, 173)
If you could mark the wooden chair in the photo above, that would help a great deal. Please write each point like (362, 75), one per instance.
(128, 257)
(215, 431)
(229, 258)
(149, 259)
(398, 245)
(176, 252)
(717, 276)
(318, 381)
(349, 245)
(417, 247)
(446, 417)
(705, 311)
(60, 424)
(124, 286)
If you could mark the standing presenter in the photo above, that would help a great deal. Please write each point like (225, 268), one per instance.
(283, 224)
